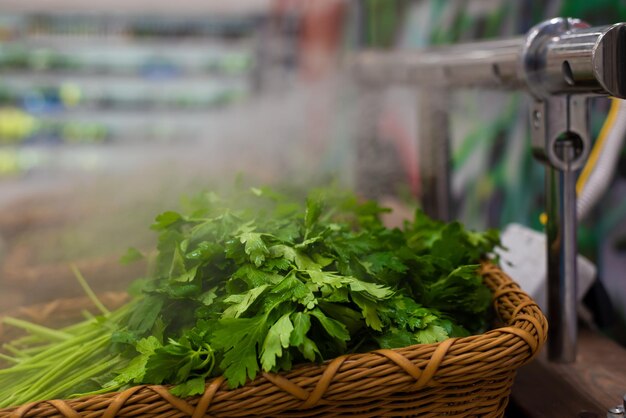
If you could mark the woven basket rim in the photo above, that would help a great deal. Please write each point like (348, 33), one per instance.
(421, 367)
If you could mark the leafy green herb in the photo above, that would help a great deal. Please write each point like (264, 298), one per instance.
(132, 254)
(258, 281)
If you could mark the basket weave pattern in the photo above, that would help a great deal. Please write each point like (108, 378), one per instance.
(459, 377)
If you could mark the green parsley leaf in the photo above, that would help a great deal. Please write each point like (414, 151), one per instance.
(241, 303)
(239, 338)
(166, 219)
(136, 368)
(277, 338)
(301, 325)
(131, 255)
(332, 327)
(254, 247)
(191, 387)
(431, 334)
(145, 315)
(395, 338)
(312, 213)
(369, 310)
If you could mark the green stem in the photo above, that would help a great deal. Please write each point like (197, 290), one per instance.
(37, 329)
(88, 315)
(88, 291)
(28, 339)
(63, 390)
(65, 347)
(29, 351)
(17, 369)
(15, 351)
(9, 358)
(52, 363)
(9, 401)
(80, 353)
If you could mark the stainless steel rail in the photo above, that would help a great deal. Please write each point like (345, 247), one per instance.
(575, 59)
(560, 62)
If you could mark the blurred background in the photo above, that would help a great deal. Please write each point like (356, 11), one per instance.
(111, 111)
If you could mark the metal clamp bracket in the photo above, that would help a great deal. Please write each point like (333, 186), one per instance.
(560, 138)
(557, 119)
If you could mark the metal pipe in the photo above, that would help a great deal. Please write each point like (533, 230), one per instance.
(562, 252)
(486, 64)
(560, 139)
(576, 59)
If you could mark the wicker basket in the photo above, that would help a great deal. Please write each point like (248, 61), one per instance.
(459, 377)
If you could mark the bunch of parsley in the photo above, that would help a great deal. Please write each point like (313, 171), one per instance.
(258, 280)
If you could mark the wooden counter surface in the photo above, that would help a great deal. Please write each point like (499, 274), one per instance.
(585, 389)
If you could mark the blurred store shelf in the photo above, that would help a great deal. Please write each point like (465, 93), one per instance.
(121, 72)
(139, 7)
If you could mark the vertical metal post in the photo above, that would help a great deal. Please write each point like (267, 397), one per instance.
(434, 153)
(562, 253)
(560, 138)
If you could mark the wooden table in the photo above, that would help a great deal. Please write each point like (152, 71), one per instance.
(585, 389)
